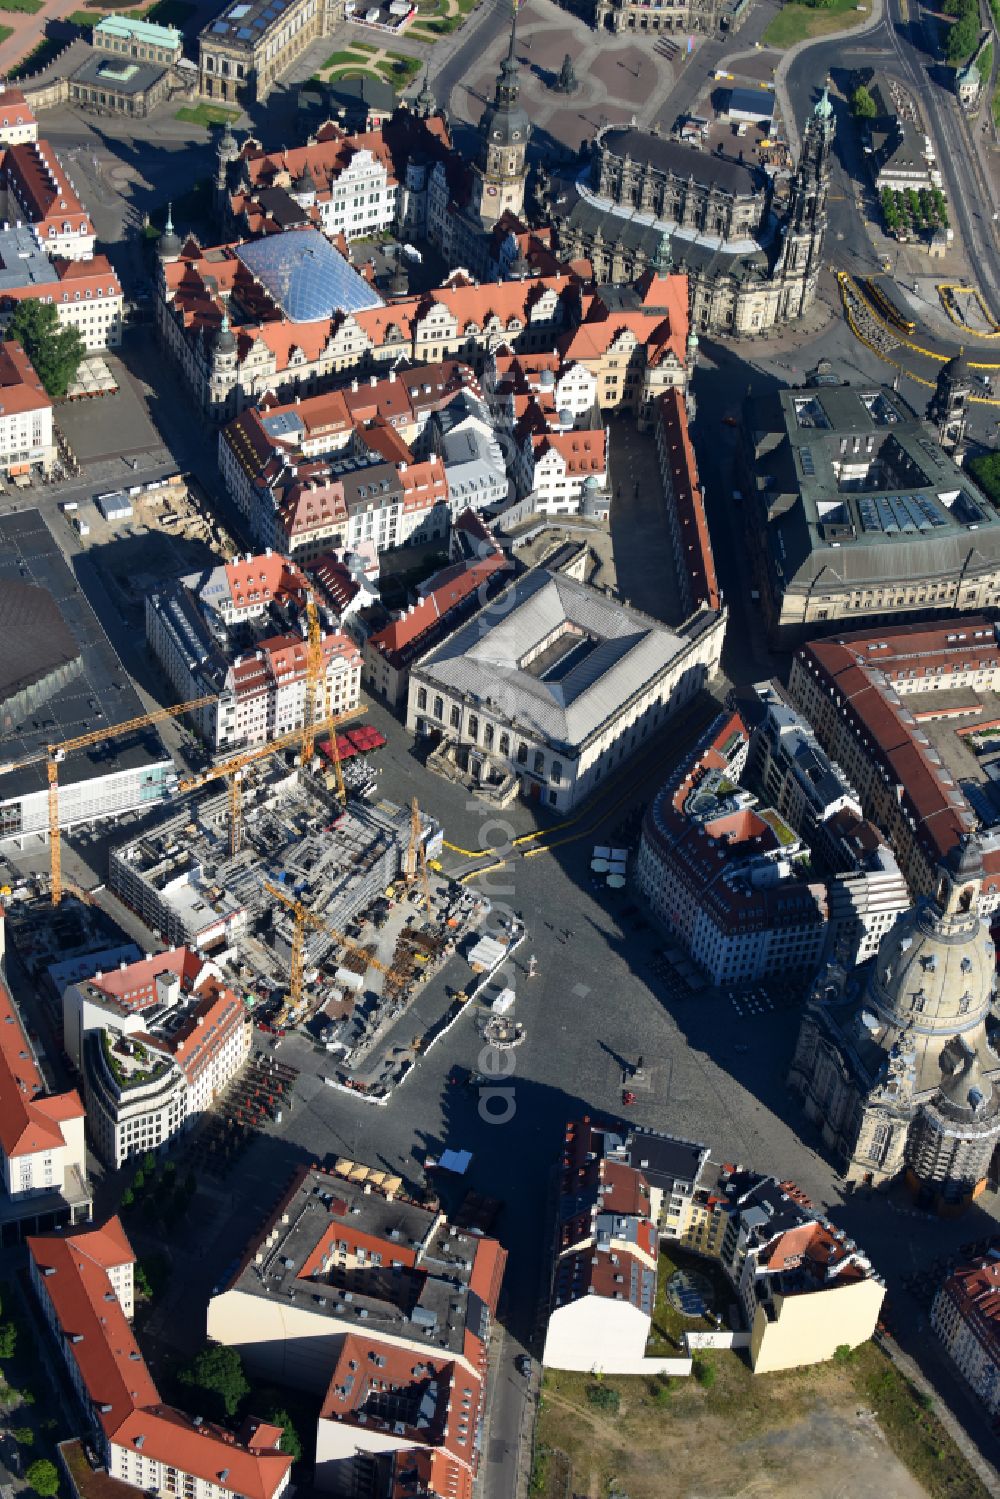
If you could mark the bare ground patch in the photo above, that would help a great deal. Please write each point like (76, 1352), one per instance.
(770, 1437)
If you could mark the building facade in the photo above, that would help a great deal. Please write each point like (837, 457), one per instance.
(874, 698)
(390, 653)
(854, 511)
(157, 1043)
(26, 440)
(249, 46)
(663, 16)
(43, 1160)
(259, 686)
(893, 1062)
(965, 1314)
(35, 190)
(499, 171)
(17, 119)
(86, 294)
(140, 41)
(338, 1329)
(235, 342)
(802, 1288)
(344, 183)
(85, 1288)
(518, 697)
(648, 202)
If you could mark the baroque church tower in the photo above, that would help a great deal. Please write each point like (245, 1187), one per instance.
(805, 228)
(500, 170)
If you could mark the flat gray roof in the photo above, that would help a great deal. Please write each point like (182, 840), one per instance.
(22, 263)
(429, 1300)
(490, 664)
(123, 75)
(101, 693)
(857, 486)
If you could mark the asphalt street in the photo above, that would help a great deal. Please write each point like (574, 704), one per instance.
(907, 47)
(596, 1002)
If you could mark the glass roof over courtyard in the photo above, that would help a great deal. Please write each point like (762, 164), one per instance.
(306, 276)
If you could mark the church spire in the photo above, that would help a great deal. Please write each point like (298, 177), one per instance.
(507, 82)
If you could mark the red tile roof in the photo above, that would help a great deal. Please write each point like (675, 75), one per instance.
(701, 854)
(32, 174)
(697, 559)
(401, 640)
(29, 1121)
(72, 1272)
(14, 107)
(851, 667)
(133, 985)
(974, 1290)
(20, 387)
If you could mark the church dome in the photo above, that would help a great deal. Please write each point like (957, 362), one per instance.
(957, 371)
(935, 970)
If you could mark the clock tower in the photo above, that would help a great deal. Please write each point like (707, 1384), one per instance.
(500, 169)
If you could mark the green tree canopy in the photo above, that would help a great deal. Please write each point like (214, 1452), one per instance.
(218, 1373)
(290, 1440)
(962, 39)
(54, 349)
(43, 1475)
(862, 104)
(8, 1340)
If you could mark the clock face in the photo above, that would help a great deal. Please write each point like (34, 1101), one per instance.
(515, 135)
(492, 191)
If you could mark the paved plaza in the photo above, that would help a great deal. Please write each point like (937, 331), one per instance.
(620, 78)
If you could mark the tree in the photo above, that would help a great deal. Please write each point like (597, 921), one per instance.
(704, 1373)
(862, 104)
(43, 1475)
(149, 1163)
(55, 349)
(23, 1435)
(290, 1440)
(218, 1372)
(962, 38)
(604, 1397)
(8, 1340)
(139, 1181)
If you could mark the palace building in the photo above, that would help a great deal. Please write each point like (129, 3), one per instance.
(246, 49)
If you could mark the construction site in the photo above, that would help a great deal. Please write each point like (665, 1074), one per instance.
(319, 913)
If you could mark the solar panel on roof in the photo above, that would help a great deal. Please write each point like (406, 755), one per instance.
(930, 510)
(244, 34)
(869, 515)
(220, 28)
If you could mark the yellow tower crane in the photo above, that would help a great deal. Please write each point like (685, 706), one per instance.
(316, 678)
(416, 852)
(232, 770)
(303, 917)
(54, 754)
